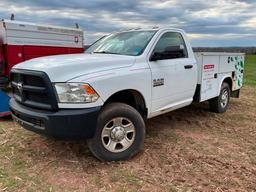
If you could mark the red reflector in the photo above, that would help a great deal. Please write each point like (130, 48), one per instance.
(209, 66)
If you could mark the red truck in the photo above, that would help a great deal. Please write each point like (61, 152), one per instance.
(21, 41)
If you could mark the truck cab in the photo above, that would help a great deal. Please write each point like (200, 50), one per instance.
(106, 94)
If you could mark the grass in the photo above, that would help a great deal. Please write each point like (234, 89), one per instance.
(250, 70)
(189, 149)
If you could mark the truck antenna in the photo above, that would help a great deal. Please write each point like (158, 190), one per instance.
(12, 16)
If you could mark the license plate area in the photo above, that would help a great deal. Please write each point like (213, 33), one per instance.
(28, 121)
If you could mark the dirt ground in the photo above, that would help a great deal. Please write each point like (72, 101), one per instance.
(190, 149)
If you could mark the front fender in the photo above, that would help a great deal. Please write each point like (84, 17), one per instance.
(108, 83)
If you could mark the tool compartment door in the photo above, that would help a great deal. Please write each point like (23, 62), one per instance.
(209, 75)
(233, 63)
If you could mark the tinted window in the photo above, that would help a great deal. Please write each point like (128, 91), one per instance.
(169, 41)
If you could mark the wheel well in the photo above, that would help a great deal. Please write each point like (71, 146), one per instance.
(132, 98)
(228, 80)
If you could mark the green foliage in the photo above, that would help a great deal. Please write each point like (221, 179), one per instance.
(250, 70)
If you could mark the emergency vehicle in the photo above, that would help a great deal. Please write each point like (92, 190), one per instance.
(21, 41)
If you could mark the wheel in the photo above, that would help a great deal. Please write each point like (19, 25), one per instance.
(220, 104)
(119, 134)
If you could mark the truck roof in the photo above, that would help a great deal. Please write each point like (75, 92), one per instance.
(25, 33)
(155, 29)
(12, 24)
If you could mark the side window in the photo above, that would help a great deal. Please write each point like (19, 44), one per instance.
(171, 46)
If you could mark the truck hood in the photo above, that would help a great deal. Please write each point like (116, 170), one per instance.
(66, 67)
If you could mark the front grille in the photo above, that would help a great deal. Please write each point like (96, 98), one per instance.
(33, 89)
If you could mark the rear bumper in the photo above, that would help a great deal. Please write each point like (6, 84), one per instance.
(65, 124)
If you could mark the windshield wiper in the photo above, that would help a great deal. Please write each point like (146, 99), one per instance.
(105, 52)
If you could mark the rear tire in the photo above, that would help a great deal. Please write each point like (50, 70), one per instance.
(120, 133)
(220, 104)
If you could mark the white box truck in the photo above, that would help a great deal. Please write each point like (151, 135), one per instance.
(106, 94)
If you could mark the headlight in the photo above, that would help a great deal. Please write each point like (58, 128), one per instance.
(75, 93)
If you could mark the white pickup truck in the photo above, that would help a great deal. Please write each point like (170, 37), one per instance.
(106, 94)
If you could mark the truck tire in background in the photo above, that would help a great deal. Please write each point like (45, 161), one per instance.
(119, 134)
(220, 104)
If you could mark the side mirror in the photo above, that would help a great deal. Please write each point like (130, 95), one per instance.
(156, 56)
(170, 52)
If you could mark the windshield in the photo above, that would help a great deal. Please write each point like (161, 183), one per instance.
(130, 43)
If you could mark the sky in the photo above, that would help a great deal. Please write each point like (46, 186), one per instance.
(209, 23)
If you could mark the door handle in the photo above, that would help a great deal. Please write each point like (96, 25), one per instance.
(188, 66)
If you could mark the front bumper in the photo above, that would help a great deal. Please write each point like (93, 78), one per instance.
(65, 123)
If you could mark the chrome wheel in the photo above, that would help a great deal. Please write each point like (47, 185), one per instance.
(118, 134)
(224, 98)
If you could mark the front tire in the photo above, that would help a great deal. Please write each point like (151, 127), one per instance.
(220, 104)
(119, 134)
